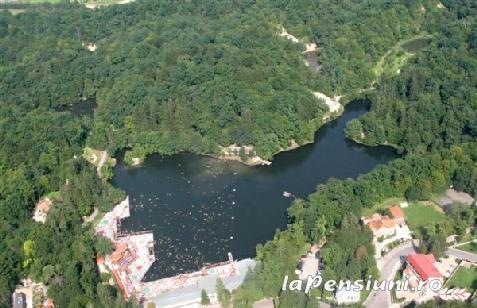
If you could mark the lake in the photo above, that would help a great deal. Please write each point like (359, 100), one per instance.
(201, 208)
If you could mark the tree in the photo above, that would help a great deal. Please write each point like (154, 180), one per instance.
(5, 292)
(204, 298)
(354, 129)
(106, 294)
(103, 246)
(222, 293)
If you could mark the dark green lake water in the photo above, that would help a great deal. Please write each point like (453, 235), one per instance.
(200, 208)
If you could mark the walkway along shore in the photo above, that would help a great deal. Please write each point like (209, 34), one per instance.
(133, 255)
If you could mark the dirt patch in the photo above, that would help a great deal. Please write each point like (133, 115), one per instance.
(245, 154)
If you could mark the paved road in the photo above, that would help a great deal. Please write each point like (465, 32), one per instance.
(388, 266)
(460, 254)
(191, 295)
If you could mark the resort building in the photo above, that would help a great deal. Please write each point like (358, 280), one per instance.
(387, 230)
(347, 297)
(421, 267)
(398, 214)
(19, 300)
(133, 253)
(381, 225)
(41, 210)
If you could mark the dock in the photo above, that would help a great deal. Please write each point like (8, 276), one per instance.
(134, 255)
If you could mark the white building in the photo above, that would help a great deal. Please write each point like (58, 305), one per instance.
(41, 210)
(346, 297)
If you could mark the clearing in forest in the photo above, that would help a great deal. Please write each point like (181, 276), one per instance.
(398, 55)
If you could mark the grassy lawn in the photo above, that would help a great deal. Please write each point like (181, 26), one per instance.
(464, 278)
(419, 215)
(470, 247)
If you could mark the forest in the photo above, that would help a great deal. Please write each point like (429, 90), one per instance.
(428, 113)
(170, 76)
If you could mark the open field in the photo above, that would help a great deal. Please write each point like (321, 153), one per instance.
(464, 278)
(419, 215)
(397, 56)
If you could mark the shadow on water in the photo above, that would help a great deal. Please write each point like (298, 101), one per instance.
(200, 208)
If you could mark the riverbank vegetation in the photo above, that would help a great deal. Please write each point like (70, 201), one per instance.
(427, 112)
(173, 76)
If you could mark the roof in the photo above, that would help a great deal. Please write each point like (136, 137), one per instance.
(49, 303)
(264, 303)
(396, 212)
(99, 259)
(19, 300)
(44, 205)
(384, 222)
(119, 253)
(424, 265)
(120, 285)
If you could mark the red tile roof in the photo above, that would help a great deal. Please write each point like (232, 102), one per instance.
(424, 266)
(44, 205)
(380, 222)
(120, 285)
(396, 212)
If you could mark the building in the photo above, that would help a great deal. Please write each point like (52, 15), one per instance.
(309, 264)
(404, 205)
(19, 300)
(398, 214)
(264, 303)
(122, 256)
(346, 297)
(381, 225)
(421, 267)
(41, 210)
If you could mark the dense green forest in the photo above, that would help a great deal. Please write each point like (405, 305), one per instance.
(428, 113)
(172, 76)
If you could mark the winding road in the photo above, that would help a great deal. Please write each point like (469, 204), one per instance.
(388, 267)
(461, 254)
(391, 263)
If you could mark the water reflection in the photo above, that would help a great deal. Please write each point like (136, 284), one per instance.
(201, 208)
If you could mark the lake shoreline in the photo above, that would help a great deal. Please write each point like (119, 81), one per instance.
(229, 154)
(222, 204)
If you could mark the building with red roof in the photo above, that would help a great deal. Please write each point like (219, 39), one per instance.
(397, 214)
(423, 266)
(380, 225)
(41, 210)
